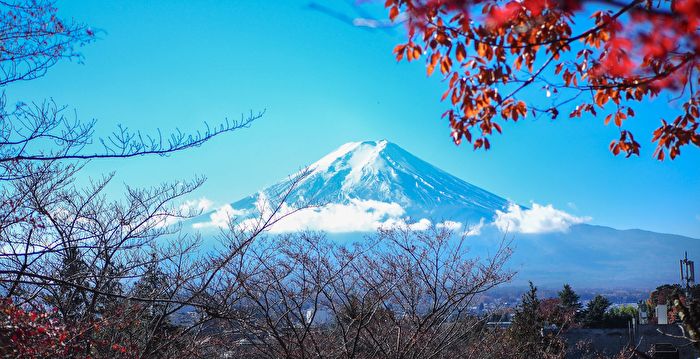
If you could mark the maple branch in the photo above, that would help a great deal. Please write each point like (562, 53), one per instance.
(563, 41)
(529, 80)
(646, 9)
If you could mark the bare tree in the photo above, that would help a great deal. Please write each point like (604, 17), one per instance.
(399, 293)
(119, 270)
(33, 38)
(105, 276)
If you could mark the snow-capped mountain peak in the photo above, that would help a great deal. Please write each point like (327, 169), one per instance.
(359, 158)
(383, 172)
(367, 185)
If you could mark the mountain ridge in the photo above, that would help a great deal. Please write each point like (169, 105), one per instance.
(371, 184)
(383, 171)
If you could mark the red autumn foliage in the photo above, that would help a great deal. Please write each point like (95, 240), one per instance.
(489, 50)
(552, 311)
(43, 334)
(35, 334)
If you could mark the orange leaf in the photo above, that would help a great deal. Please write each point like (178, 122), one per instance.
(608, 118)
(444, 95)
(453, 79)
(461, 52)
(445, 65)
(558, 69)
(615, 148)
(416, 52)
(393, 12)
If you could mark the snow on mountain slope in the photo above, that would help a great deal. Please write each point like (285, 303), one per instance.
(366, 184)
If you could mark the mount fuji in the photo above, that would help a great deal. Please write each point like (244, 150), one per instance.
(362, 186)
(386, 182)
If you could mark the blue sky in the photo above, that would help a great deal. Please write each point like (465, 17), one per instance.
(167, 64)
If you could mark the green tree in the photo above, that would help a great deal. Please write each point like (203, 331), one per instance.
(595, 314)
(528, 337)
(526, 330)
(619, 317)
(627, 311)
(154, 316)
(569, 299)
(153, 285)
(70, 296)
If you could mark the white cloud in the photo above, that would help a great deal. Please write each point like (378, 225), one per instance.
(421, 225)
(356, 216)
(475, 230)
(449, 225)
(201, 204)
(538, 219)
(369, 215)
(221, 217)
(188, 208)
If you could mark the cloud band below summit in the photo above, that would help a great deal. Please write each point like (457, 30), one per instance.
(369, 215)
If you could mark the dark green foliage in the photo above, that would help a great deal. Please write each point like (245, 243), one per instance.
(569, 299)
(527, 322)
(527, 325)
(528, 335)
(624, 311)
(154, 317)
(594, 314)
(70, 298)
(619, 317)
(153, 285)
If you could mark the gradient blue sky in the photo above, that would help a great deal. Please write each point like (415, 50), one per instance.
(167, 64)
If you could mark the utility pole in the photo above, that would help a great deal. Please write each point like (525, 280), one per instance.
(687, 275)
